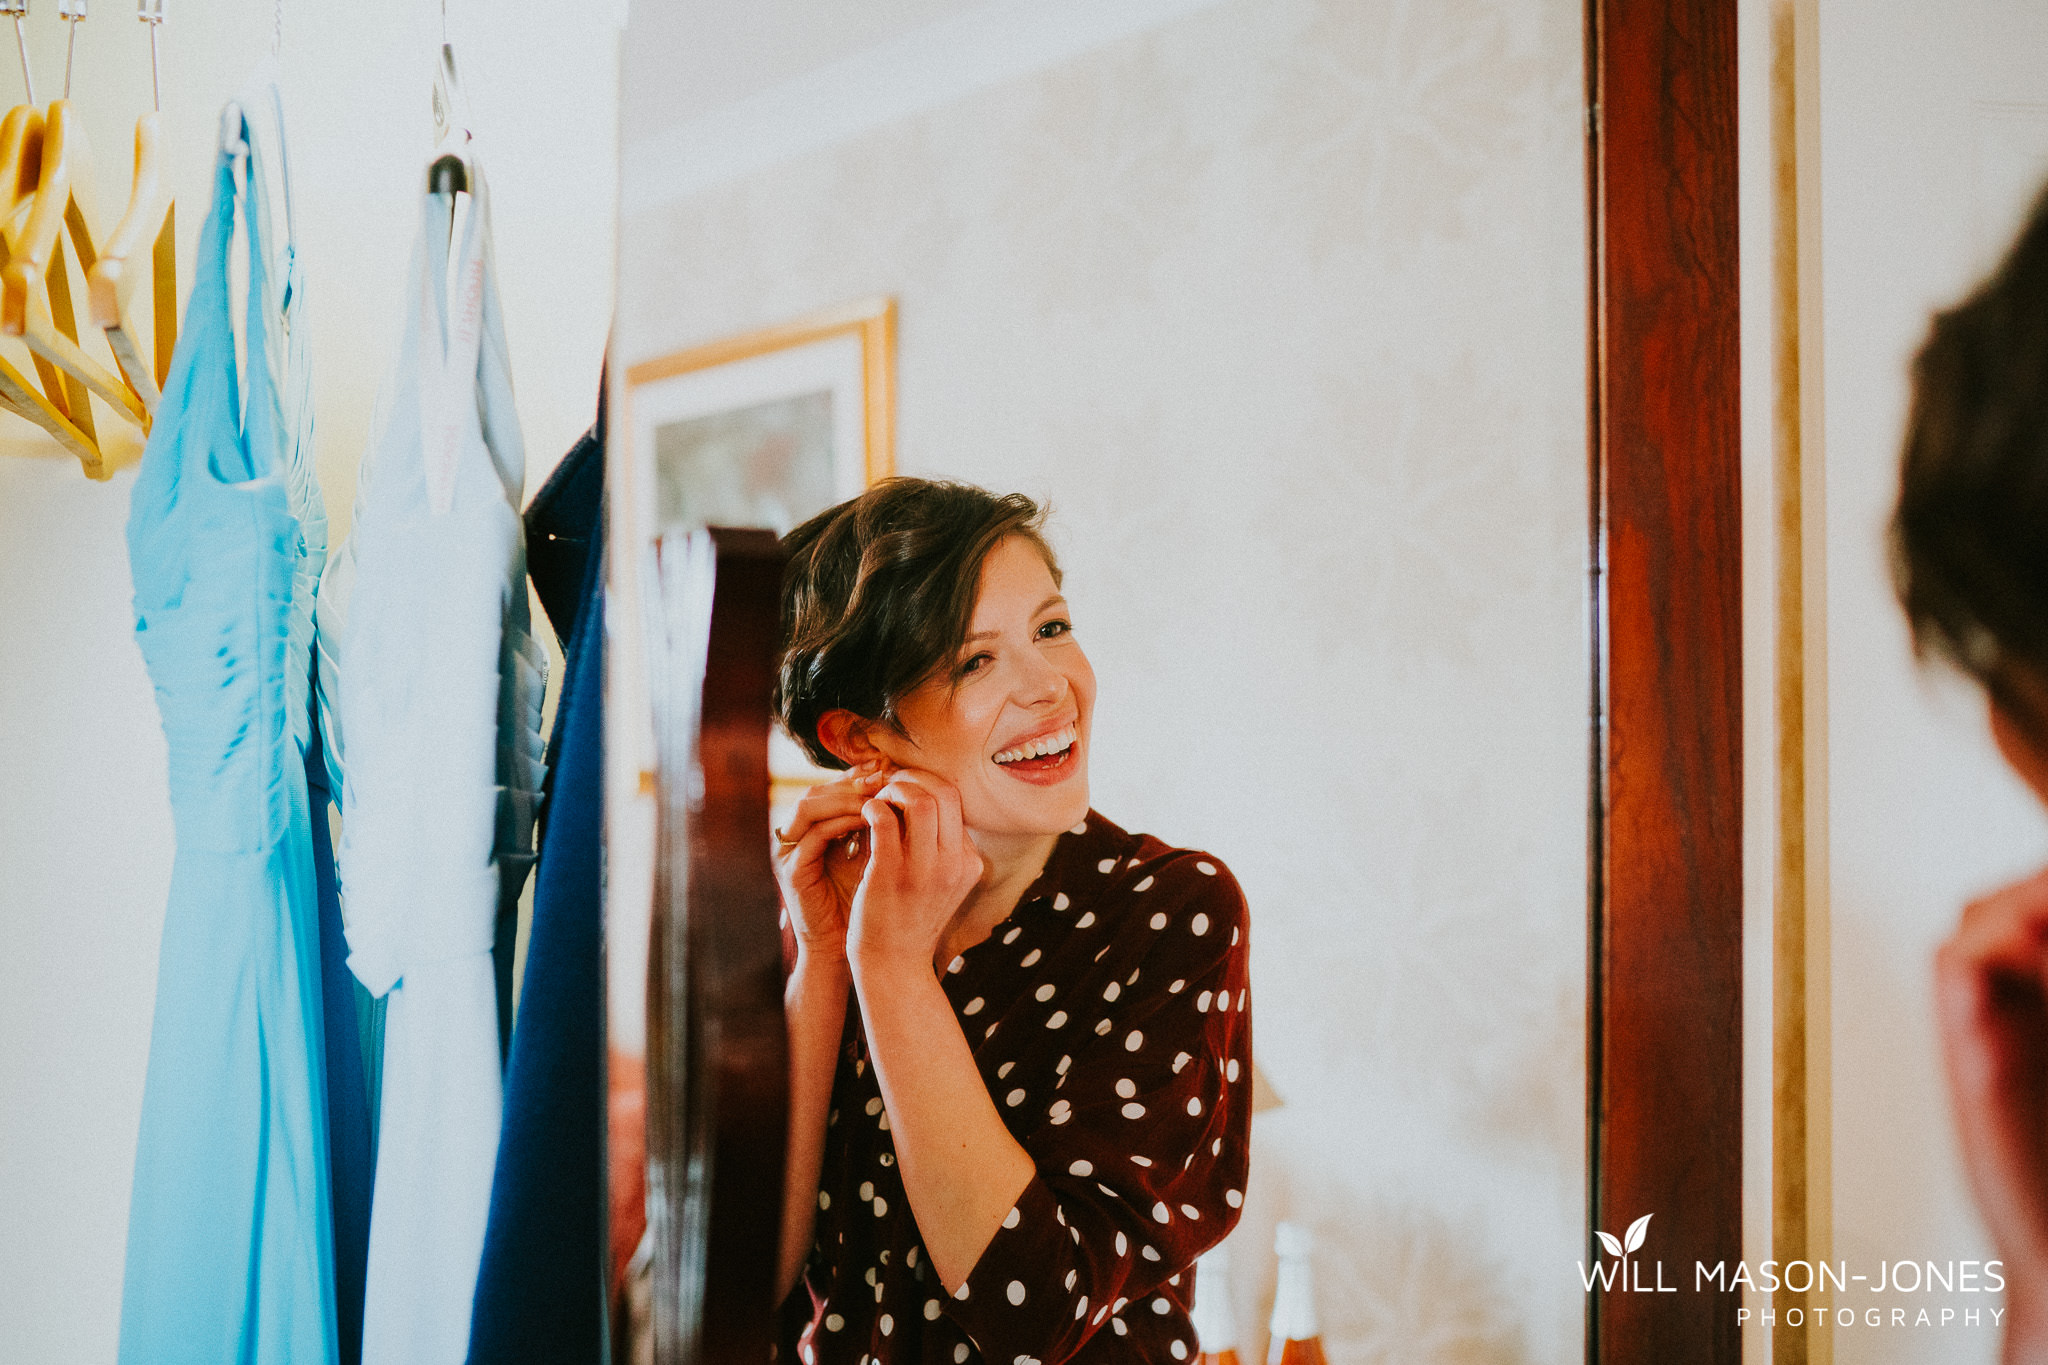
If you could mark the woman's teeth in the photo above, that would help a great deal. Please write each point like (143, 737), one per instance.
(1039, 748)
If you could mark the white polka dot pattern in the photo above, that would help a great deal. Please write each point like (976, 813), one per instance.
(1125, 1103)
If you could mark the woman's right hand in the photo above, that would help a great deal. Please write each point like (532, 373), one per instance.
(1991, 981)
(816, 868)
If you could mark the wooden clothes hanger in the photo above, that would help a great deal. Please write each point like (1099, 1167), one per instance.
(35, 286)
(21, 144)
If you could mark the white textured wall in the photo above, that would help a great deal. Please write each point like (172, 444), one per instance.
(1934, 128)
(85, 841)
(1281, 303)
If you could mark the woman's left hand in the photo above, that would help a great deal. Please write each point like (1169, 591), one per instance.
(921, 866)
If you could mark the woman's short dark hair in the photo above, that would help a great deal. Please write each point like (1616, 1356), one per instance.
(1970, 537)
(878, 595)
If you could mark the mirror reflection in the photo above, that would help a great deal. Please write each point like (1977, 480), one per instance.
(1276, 310)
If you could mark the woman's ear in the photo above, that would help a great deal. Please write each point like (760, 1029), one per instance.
(847, 737)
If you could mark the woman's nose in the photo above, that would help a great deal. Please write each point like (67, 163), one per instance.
(1042, 683)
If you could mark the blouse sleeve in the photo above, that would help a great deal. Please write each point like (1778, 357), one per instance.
(1141, 1154)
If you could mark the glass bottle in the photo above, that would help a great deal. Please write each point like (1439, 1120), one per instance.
(1214, 1323)
(1296, 1337)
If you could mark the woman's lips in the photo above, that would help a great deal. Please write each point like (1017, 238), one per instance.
(1041, 745)
(1048, 770)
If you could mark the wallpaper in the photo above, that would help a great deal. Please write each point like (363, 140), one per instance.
(1281, 305)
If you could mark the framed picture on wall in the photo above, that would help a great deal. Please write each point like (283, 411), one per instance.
(769, 427)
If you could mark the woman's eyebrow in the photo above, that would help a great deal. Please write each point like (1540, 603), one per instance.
(1056, 600)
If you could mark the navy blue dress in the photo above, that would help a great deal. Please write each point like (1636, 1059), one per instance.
(540, 1294)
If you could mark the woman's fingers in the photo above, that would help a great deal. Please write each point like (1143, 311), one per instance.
(2005, 930)
(920, 817)
(885, 840)
(817, 901)
(827, 801)
(817, 840)
(931, 807)
(1991, 986)
(952, 830)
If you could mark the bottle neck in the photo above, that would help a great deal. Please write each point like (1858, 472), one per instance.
(1214, 1323)
(1294, 1301)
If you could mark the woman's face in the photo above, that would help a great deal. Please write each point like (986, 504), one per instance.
(1008, 723)
(2017, 731)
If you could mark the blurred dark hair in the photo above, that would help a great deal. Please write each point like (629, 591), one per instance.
(1970, 536)
(879, 593)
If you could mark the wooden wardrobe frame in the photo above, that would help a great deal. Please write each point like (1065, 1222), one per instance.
(1664, 968)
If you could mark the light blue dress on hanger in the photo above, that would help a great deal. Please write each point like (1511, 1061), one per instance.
(433, 683)
(230, 1253)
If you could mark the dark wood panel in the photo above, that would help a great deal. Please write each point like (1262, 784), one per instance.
(717, 1066)
(1666, 976)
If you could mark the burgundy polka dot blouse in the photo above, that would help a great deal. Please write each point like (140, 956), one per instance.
(1109, 1018)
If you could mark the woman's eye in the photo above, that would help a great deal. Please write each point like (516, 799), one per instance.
(1055, 628)
(974, 665)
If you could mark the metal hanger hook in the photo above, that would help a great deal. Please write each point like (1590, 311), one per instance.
(151, 12)
(71, 12)
(19, 10)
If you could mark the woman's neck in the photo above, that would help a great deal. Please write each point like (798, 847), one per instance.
(1010, 864)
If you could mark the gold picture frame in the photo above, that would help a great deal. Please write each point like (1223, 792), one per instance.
(848, 352)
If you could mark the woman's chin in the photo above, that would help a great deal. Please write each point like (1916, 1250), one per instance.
(1047, 811)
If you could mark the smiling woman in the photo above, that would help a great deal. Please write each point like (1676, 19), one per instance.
(1037, 1113)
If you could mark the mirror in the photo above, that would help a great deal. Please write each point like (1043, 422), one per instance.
(1281, 306)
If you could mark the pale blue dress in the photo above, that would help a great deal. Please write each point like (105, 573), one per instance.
(229, 1255)
(432, 683)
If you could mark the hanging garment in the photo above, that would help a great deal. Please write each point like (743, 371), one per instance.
(348, 1122)
(350, 1152)
(540, 1294)
(229, 1254)
(437, 688)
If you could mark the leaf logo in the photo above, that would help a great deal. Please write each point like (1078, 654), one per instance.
(1629, 1241)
